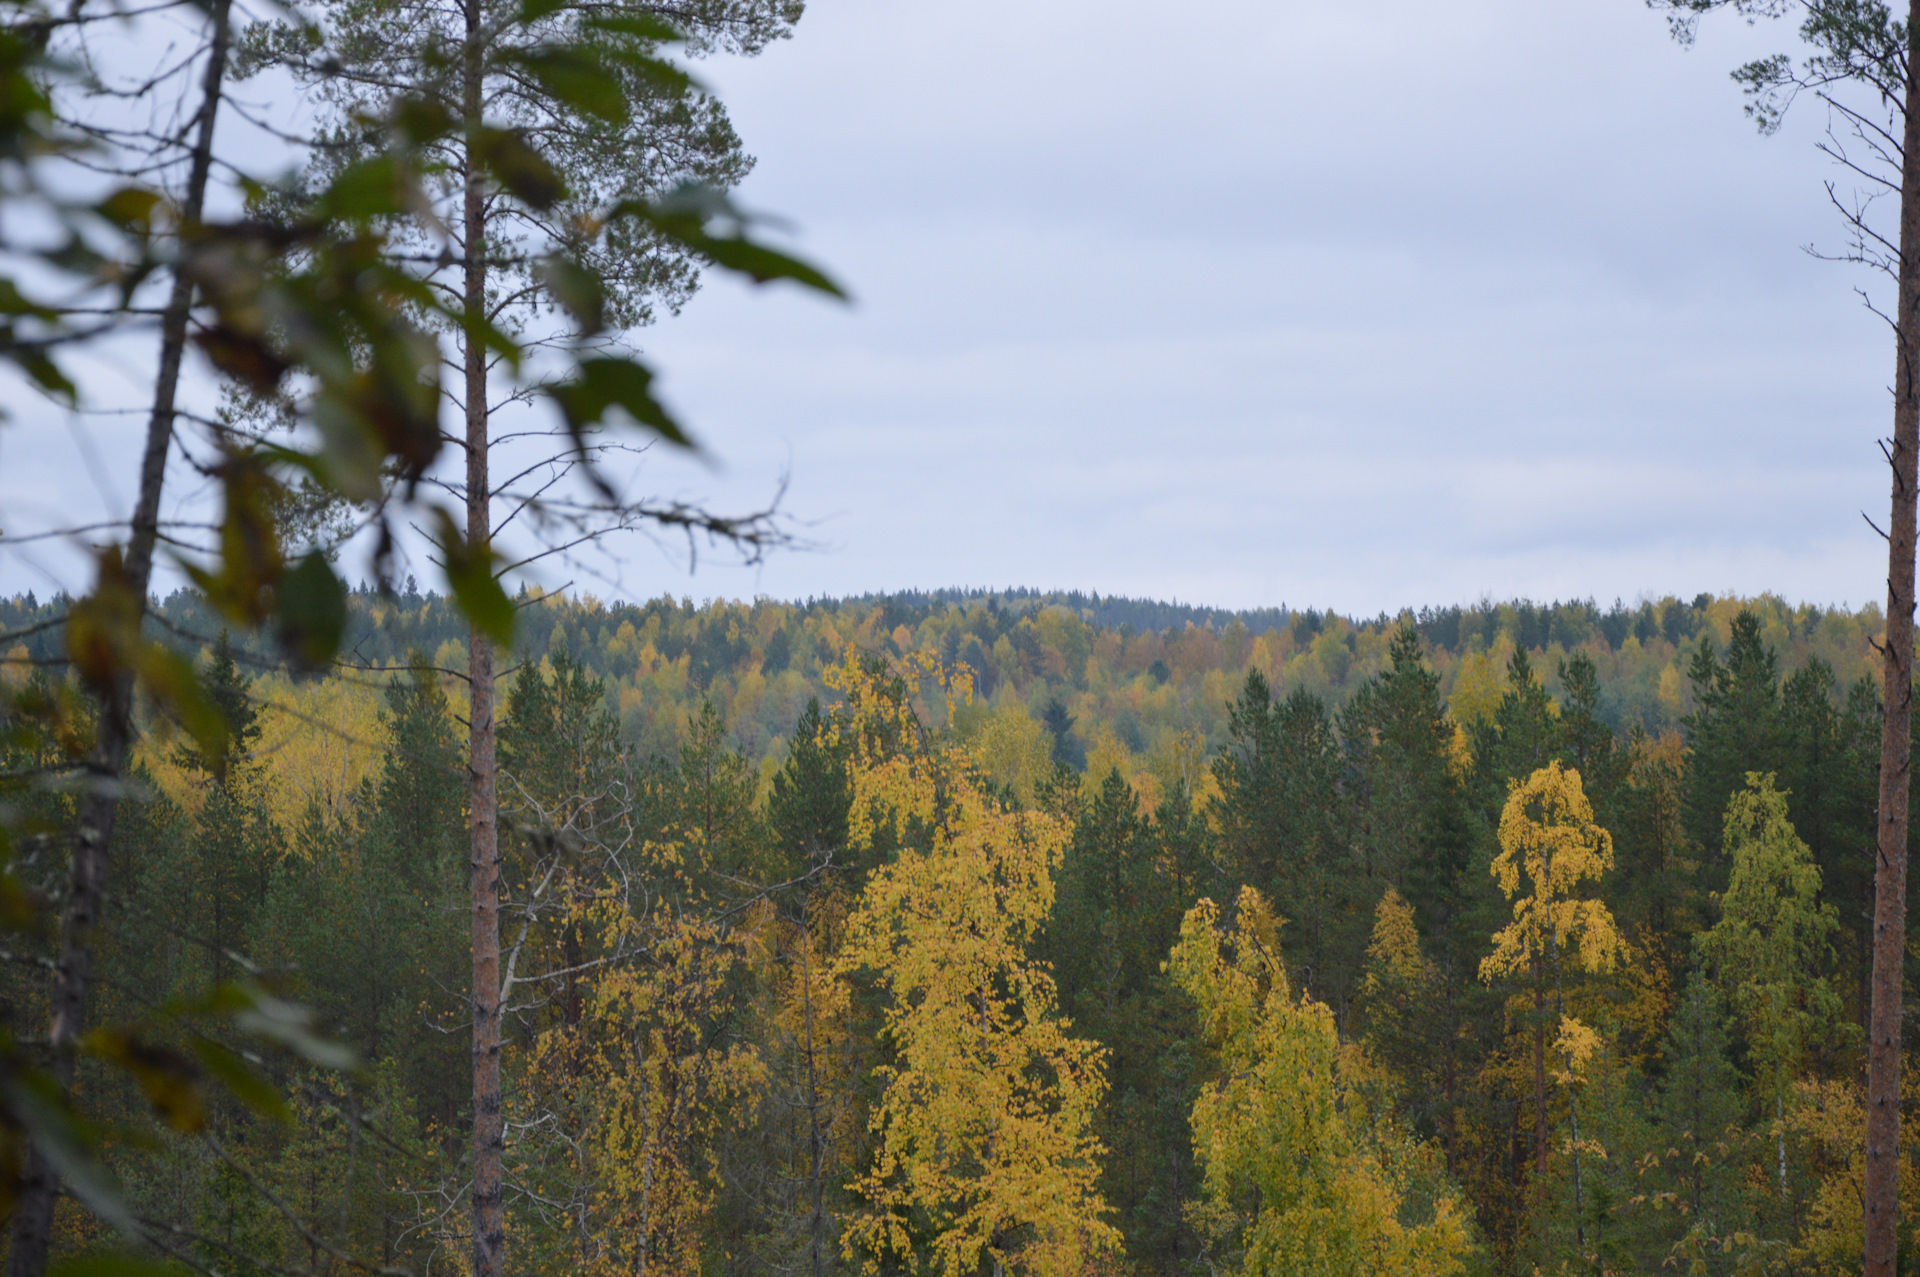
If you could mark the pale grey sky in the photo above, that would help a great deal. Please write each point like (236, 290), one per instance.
(1358, 304)
(1366, 303)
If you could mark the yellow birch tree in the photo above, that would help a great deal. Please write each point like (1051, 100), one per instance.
(985, 1155)
(1550, 848)
(1302, 1179)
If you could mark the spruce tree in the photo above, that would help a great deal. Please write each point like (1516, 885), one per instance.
(1410, 825)
(1280, 817)
(1734, 729)
(1701, 1153)
(811, 795)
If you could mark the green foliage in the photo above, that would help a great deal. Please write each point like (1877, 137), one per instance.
(1125, 882)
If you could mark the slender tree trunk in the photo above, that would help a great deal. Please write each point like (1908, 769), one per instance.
(489, 1126)
(1539, 1075)
(87, 874)
(1573, 1107)
(816, 1143)
(1882, 1178)
(1780, 1138)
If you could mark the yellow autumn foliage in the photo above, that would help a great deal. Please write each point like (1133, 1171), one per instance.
(1549, 847)
(984, 1155)
(1303, 1177)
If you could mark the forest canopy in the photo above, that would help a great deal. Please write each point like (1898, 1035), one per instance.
(1029, 933)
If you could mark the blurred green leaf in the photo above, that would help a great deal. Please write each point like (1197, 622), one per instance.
(44, 373)
(578, 290)
(758, 262)
(364, 190)
(131, 208)
(33, 1101)
(291, 1025)
(169, 1080)
(174, 684)
(611, 381)
(519, 168)
(239, 1078)
(13, 302)
(312, 607)
(112, 1265)
(638, 26)
(476, 591)
(687, 216)
(576, 77)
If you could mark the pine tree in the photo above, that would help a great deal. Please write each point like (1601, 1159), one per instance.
(1122, 891)
(811, 794)
(1696, 1175)
(1828, 755)
(1409, 1022)
(1523, 735)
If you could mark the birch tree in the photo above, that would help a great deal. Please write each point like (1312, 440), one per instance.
(1300, 1176)
(1549, 848)
(1769, 949)
(986, 1156)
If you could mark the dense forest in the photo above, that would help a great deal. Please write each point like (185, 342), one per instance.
(965, 931)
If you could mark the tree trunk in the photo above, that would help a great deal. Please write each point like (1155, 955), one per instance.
(489, 1128)
(87, 874)
(816, 1142)
(1539, 1074)
(1882, 1178)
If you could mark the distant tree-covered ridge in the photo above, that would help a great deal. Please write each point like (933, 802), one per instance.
(1146, 685)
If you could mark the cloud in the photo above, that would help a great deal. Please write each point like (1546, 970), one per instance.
(1362, 305)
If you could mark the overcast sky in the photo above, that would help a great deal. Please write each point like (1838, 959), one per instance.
(1360, 304)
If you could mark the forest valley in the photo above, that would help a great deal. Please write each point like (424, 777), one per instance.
(974, 933)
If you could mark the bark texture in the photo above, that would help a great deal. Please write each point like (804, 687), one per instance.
(87, 873)
(1882, 1172)
(489, 1128)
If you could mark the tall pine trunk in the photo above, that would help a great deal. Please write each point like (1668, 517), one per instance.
(1882, 1179)
(489, 1128)
(99, 808)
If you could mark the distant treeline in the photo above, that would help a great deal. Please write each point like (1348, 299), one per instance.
(1137, 677)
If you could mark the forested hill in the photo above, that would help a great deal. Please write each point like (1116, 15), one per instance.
(1224, 871)
(1137, 683)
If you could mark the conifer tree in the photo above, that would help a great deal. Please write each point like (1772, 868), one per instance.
(1123, 888)
(1410, 819)
(560, 114)
(1734, 729)
(811, 795)
(1858, 62)
(1522, 736)
(1828, 755)
(1280, 821)
(1408, 1022)
(1699, 1165)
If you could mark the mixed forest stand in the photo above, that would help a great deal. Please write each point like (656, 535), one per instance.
(1533, 991)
